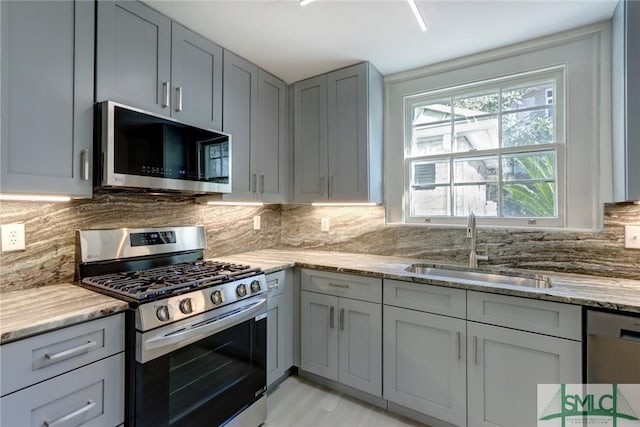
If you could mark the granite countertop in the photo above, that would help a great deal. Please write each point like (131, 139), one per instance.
(32, 311)
(591, 291)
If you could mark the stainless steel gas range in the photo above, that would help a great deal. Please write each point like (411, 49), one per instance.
(196, 330)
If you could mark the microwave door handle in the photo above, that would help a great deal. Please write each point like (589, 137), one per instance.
(204, 330)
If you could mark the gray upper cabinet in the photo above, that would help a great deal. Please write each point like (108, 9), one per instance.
(240, 108)
(47, 97)
(255, 112)
(338, 136)
(310, 139)
(272, 138)
(196, 77)
(626, 99)
(133, 56)
(147, 61)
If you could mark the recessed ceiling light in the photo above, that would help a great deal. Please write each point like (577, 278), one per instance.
(416, 12)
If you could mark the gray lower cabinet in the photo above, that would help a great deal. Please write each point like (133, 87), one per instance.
(73, 376)
(425, 363)
(47, 97)
(341, 340)
(279, 326)
(147, 61)
(338, 136)
(255, 115)
(504, 367)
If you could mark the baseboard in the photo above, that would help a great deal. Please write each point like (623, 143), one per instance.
(417, 416)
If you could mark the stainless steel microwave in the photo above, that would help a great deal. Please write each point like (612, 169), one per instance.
(144, 151)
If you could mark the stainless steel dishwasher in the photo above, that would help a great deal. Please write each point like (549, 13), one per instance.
(613, 348)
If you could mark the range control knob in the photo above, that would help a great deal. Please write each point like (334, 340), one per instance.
(216, 297)
(185, 306)
(162, 313)
(241, 290)
(255, 286)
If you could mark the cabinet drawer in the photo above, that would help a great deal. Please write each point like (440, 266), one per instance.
(343, 285)
(41, 357)
(429, 298)
(90, 396)
(276, 283)
(543, 317)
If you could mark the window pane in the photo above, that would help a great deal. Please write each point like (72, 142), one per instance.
(431, 129)
(536, 95)
(527, 128)
(482, 199)
(528, 166)
(480, 169)
(430, 202)
(479, 104)
(529, 200)
(476, 134)
(427, 174)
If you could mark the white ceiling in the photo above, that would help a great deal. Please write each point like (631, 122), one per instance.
(295, 42)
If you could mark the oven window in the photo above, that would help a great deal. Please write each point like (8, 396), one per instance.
(204, 383)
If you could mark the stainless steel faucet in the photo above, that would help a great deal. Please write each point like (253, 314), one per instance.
(471, 234)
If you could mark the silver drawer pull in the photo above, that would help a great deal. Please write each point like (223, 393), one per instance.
(86, 408)
(71, 352)
(276, 286)
(338, 285)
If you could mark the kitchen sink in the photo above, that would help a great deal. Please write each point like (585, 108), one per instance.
(453, 274)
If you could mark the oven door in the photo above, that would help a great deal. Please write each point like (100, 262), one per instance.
(209, 380)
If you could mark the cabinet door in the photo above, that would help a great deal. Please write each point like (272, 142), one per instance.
(240, 106)
(133, 56)
(310, 140)
(348, 136)
(271, 143)
(425, 363)
(319, 334)
(196, 79)
(505, 366)
(360, 345)
(279, 335)
(47, 97)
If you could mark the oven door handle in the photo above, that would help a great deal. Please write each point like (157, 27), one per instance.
(205, 329)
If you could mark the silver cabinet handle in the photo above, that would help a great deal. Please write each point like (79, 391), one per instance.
(273, 286)
(71, 352)
(261, 183)
(254, 183)
(458, 337)
(179, 98)
(323, 190)
(84, 161)
(475, 350)
(342, 319)
(331, 310)
(165, 91)
(338, 285)
(62, 420)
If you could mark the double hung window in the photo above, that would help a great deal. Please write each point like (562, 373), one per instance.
(495, 148)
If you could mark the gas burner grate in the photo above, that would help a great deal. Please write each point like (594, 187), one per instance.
(170, 280)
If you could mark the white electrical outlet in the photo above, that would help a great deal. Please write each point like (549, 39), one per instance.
(256, 222)
(324, 224)
(12, 237)
(632, 236)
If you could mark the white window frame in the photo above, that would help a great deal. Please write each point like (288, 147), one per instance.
(586, 55)
(556, 74)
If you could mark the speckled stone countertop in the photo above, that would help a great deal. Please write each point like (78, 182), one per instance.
(32, 311)
(591, 291)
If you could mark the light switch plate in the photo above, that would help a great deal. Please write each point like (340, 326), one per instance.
(12, 236)
(256, 222)
(324, 224)
(632, 236)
